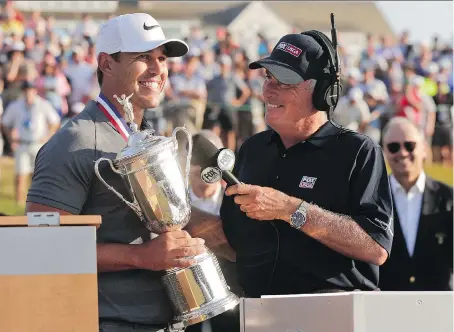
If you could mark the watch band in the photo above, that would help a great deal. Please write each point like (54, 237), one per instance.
(298, 218)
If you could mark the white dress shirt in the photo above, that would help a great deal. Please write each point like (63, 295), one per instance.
(211, 204)
(408, 206)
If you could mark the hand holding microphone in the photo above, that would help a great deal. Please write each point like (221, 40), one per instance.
(261, 203)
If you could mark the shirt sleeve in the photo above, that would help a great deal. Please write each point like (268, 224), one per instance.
(201, 87)
(240, 83)
(51, 114)
(63, 172)
(364, 111)
(9, 118)
(371, 200)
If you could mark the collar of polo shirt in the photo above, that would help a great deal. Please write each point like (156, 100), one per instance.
(325, 133)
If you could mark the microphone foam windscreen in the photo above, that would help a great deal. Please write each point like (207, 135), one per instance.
(203, 151)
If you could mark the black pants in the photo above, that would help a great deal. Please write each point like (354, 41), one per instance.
(222, 116)
(245, 125)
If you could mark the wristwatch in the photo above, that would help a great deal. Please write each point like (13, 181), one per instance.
(298, 218)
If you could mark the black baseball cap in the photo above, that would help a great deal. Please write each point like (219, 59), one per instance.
(295, 59)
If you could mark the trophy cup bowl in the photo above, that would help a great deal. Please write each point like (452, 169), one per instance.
(150, 167)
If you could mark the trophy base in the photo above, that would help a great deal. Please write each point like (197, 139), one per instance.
(198, 292)
(207, 312)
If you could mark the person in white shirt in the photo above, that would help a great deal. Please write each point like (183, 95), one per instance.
(408, 178)
(421, 256)
(352, 111)
(370, 82)
(79, 74)
(28, 123)
(87, 28)
(378, 104)
(351, 80)
(190, 94)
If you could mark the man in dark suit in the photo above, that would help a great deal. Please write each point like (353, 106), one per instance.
(422, 252)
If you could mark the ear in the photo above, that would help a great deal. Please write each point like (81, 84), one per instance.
(106, 64)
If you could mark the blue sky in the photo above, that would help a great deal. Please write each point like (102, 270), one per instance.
(422, 18)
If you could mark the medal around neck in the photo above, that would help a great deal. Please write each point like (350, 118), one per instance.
(150, 168)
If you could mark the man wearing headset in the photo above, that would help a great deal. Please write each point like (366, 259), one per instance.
(313, 212)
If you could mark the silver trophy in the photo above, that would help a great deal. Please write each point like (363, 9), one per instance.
(150, 167)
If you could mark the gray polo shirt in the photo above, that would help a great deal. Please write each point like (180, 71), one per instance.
(64, 178)
(222, 90)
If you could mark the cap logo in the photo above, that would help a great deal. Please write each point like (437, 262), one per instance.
(149, 27)
(289, 48)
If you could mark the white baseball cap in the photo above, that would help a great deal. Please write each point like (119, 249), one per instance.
(355, 94)
(138, 32)
(354, 72)
(376, 91)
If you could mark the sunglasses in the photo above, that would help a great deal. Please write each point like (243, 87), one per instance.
(394, 147)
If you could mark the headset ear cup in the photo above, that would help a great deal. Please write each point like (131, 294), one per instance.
(332, 94)
(329, 95)
(321, 92)
(326, 86)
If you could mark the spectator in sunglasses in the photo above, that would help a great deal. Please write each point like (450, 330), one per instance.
(422, 256)
(404, 151)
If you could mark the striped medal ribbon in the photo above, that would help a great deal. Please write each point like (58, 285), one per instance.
(114, 116)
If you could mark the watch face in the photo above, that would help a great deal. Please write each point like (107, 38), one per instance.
(298, 219)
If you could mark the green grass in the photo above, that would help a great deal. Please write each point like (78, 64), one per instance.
(7, 201)
(8, 205)
(440, 173)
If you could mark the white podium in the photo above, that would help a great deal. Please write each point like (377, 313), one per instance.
(350, 312)
(48, 273)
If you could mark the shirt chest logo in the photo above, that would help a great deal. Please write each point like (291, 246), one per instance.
(307, 182)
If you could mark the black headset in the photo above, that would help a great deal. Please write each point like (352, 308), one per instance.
(328, 87)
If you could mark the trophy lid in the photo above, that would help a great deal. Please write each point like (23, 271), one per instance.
(142, 143)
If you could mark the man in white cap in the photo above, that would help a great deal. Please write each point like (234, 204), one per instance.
(352, 111)
(132, 52)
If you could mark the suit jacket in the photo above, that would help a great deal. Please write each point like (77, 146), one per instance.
(431, 265)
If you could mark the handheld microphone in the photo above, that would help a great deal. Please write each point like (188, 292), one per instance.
(216, 163)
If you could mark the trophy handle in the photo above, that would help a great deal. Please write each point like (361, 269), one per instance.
(133, 205)
(188, 158)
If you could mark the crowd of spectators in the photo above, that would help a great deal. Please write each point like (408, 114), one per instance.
(401, 79)
(49, 74)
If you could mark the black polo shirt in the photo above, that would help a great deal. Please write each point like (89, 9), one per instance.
(338, 170)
